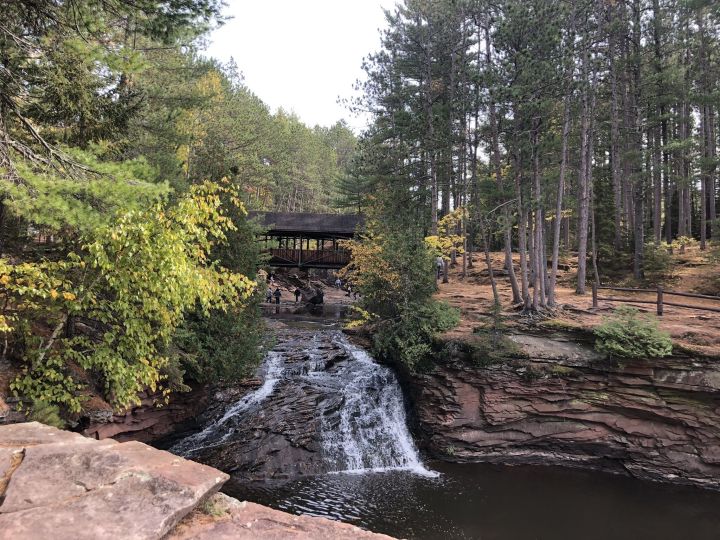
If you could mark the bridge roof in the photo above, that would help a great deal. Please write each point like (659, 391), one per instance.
(308, 223)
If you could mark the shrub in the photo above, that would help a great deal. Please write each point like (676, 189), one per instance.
(629, 334)
(46, 413)
(683, 242)
(394, 270)
(657, 259)
(409, 338)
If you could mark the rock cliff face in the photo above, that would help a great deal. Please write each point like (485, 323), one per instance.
(567, 405)
(146, 422)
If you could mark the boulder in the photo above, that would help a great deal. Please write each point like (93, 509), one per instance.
(67, 486)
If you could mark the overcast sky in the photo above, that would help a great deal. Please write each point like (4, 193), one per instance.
(301, 54)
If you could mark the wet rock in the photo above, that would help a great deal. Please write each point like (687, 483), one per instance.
(565, 405)
(281, 440)
(324, 406)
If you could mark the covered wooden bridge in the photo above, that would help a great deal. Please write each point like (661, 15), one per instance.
(307, 240)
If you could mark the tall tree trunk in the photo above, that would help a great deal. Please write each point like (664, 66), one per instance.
(638, 176)
(495, 151)
(430, 141)
(713, 168)
(538, 286)
(557, 222)
(584, 180)
(522, 233)
(704, 178)
(657, 186)
(593, 231)
(615, 139)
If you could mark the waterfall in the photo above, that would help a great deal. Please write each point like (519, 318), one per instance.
(371, 434)
(358, 405)
(218, 431)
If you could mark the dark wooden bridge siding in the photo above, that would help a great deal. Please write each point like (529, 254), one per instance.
(314, 258)
(291, 235)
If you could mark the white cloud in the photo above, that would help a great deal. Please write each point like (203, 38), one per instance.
(302, 55)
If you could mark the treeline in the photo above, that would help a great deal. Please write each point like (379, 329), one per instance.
(578, 125)
(128, 162)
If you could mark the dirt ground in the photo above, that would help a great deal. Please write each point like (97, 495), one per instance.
(694, 330)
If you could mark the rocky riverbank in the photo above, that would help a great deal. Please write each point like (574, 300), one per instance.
(324, 405)
(61, 485)
(565, 404)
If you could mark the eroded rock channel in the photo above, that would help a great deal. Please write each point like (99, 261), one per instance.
(323, 431)
(324, 405)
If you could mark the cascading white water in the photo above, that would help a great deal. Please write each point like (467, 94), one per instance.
(372, 433)
(217, 432)
(359, 404)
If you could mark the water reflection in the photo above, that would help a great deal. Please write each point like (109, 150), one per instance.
(476, 501)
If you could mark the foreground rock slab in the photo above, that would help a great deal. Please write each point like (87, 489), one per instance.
(57, 485)
(62, 485)
(225, 518)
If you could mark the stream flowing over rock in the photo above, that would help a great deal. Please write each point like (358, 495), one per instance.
(324, 406)
(567, 405)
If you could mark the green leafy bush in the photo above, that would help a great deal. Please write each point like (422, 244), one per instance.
(409, 338)
(394, 271)
(630, 334)
(683, 242)
(138, 279)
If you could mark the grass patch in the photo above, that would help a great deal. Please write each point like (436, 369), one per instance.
(488, 346)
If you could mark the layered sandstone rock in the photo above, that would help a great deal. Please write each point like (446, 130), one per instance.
(148, 421)
(63, 486)
(567, 405)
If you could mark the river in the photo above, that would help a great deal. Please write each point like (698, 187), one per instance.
(359, 463)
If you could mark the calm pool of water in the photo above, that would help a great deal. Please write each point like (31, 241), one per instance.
(489, 502)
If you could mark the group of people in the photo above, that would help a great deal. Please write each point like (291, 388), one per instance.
(352, 293)
(273, 294)
(277, 294)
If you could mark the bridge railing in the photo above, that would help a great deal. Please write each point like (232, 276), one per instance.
(659, 300)
(308, 257)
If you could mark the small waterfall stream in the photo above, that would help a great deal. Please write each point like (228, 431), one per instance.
(355, 405)
(371, 434)
(326, 415)
(217, 431)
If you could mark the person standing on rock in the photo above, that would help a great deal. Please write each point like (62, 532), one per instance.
(268, 295)
(298, 294)
(338, 283)
(277, 294)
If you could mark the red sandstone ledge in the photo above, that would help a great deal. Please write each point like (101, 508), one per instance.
(61, 485)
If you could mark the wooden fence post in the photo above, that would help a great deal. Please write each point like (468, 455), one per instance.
(659, 300)
(594, 294)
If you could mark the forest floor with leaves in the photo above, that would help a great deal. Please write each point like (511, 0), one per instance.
(693, 331)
